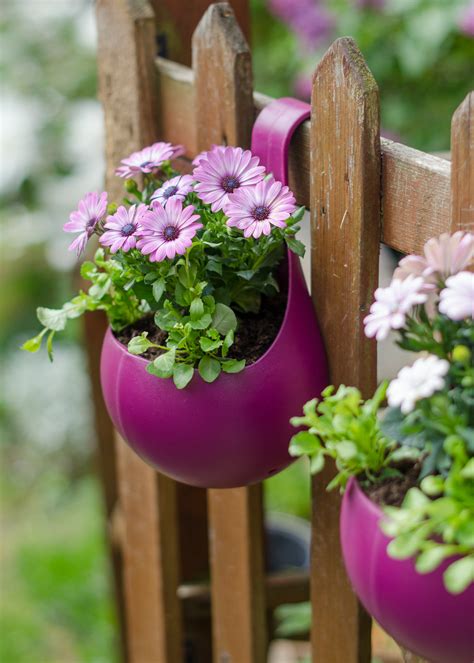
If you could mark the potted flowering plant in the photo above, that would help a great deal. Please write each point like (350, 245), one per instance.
(407, 518)
(208, 310)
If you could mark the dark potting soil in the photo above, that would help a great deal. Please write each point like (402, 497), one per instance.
(254, 335)
(391, 491)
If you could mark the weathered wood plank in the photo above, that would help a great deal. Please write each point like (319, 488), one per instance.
(345, 213)
(416, 202)
(462, 173)
(224, 114)
(287, 587)
(147, 501)
(416, 186)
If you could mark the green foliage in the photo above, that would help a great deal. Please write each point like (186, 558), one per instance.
(194, 297)
(436, 521)
(345, 428)
(449, 413)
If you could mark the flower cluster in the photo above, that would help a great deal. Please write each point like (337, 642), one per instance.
(191, 250)
(430, 418)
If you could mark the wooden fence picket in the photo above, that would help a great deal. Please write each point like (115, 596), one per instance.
(345, 212)
(462, 166)
(224, 115)
(146, 501)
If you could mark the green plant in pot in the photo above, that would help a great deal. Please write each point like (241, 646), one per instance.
(407, 472)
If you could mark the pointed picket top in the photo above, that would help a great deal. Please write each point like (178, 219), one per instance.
(462, 165)
(345, 213)
(223, 80)
(127, 88)
(345, 203)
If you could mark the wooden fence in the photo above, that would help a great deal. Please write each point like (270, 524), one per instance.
(167, 539)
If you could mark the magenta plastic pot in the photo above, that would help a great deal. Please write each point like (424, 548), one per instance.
(416, 610)
(234, 431)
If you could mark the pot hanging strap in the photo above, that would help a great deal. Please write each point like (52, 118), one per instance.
(272, 132)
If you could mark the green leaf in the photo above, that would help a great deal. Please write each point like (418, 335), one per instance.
(233, 365)
(209, 368)
(459, 575)
(208, 344)
(405, 545)
(430, 559)
(415, 499)
(346, 449)
(317, 463)
(297, 216)
(296, 246)
(182, 375)
(228, 341)
(196, 309)
(87, 270)
(54, 319)
(304, 443)
(246, 274)
(163, 365)
(158, 289)
(224, 319)
(139, 344)
(202, 323)
(34, 344)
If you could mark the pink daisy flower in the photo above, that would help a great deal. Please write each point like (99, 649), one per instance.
(203, 155)
(391, 305)
(91, 210)
(148, 159)
(255, 209)
(457, 298)
(122, 228)
(222, 171)
(177, 187)
(448, 254)
(167, 231)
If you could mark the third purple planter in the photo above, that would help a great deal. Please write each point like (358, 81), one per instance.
(416, 610)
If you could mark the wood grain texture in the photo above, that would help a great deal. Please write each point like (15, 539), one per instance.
(462, 165)
(224, 114)
(147, 501)
(345, 214)
(176, 23)
(150, 551)
(223, 81)
(416, 201)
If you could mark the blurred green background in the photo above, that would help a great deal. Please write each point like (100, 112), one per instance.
(55, 599)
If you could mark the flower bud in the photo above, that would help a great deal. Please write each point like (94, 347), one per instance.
(462, 354)
(131, 186)
(111, 208)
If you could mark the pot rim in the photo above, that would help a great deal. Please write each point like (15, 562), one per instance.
(375, 509)
(292, 265)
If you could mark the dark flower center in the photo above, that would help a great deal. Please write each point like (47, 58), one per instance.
(90, 226)
(261, 213)
(170, 191)
(146, 164)
(128, 229)
(229, 183)
(170, 233)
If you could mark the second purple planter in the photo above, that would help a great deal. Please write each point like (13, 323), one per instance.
(416, 610)
(234, 431)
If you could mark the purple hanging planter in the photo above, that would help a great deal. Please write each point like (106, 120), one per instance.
(416, 610)
(234, 431)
